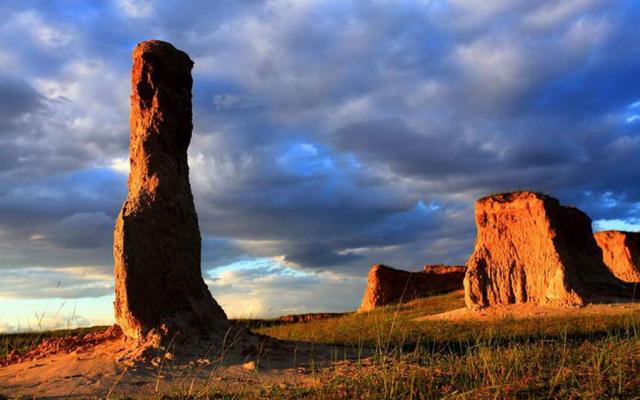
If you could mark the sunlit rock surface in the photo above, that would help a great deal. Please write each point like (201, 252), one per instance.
(621, 253)
(386, 285)
(157, 246)
(530, 248)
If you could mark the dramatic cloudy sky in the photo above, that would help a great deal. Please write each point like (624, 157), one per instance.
(328, 135)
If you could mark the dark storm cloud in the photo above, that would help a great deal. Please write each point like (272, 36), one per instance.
(65, 219)
(393, 143)
(318, 254)
(329, 134)
(217, 252)
(18, 98)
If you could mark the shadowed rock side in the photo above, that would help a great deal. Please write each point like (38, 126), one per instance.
(621, 253)
(530, 248)
(156, 238)
(386, 285)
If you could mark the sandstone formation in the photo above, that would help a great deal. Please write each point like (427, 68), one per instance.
(159, 285)
(386, 285)
(621, 253)
(309, 317)
(529, 248)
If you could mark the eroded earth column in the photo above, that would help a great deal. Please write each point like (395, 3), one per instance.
(158, 280)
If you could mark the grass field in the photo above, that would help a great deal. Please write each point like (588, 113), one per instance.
(587, 357)
(564, 357)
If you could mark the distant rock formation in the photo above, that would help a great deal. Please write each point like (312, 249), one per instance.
(291, 318)
(159, 285)
(621, 253)
(386, 285)
(442, 269)
(530, 248)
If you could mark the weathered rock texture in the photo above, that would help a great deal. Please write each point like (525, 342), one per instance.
(621, 253)
(529, 248)
(159, 285)
(386, 285)
(452, 271)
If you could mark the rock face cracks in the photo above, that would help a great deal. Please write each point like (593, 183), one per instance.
(386, 285)
(529, 248)
(621, 253)
(158, 281)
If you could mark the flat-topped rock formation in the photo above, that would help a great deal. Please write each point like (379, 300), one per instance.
(529, 248)
(386, 285)
(621, 253)
(309, 317)
(159, 285)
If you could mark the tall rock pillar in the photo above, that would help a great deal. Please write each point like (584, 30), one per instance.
(157, 246)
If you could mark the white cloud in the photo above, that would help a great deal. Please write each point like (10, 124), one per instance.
(17, 315)
(62, 283)
(495, 66)
(551, 14)
(44, 33)
(472, 14)
(136, 8)
(616, 224)
(586, 33)
(121, 165)
(271, 289)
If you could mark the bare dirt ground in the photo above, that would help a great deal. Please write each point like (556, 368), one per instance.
(529, 310)
(113, 369)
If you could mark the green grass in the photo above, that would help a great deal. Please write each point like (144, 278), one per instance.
(569, 357)
(396, 325)
(604, 368)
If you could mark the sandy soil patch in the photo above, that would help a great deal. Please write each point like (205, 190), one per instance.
(106, 370)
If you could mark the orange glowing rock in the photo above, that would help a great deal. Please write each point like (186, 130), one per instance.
(386, 285)
(621, 253)
(529, 248)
